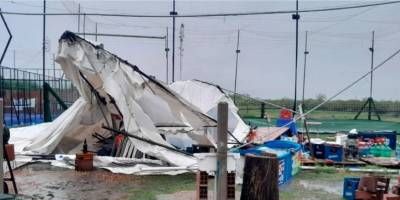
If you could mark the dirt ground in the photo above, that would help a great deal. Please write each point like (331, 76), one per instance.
(42, 181)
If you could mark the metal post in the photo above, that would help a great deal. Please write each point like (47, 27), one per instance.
(221, 173)
(181, 35)
(305, 67)
(84, 25)
(370, 101)
(296, 17)
(79, 17)
(96, 32)
(44, 48)
(54, 66)
(236, 65)
(14, 59)
(173, 13)
(166, 56)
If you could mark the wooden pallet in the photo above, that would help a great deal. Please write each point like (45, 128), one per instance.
(391, 162)
(347, 163)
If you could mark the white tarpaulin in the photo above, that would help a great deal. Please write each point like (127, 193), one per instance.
(110, 86)
(206, 97)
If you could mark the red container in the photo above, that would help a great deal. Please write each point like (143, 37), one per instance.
(285, 114)
(84, 162)
(10, 152)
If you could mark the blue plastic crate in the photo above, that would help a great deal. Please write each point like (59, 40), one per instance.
(350, 185)
(334, 152)
(318, 151)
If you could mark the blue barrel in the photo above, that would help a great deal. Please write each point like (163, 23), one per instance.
(350, 185)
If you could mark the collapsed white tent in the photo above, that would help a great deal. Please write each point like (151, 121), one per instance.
(109, 86)
(206, 97)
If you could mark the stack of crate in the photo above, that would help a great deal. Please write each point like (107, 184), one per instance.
(231, 186)
(202, 185)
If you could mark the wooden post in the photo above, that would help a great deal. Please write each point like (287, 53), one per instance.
(221, 173)
(260, 178)
(1, 149)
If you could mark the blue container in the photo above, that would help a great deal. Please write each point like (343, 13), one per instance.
(334, 152)
(285, 151)
(294, 158)
(318, 151)
(284, 122)
(350, 185)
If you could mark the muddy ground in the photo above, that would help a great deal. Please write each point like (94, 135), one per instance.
(42, 181)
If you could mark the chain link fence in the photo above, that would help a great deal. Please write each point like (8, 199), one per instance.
(22, 93)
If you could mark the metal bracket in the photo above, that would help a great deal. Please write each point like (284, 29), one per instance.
(9, 39)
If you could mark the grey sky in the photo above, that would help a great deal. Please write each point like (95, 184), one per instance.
(338, 42)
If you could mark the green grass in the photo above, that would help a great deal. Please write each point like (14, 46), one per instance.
(320, 115)
(151, 186)
(335, 125)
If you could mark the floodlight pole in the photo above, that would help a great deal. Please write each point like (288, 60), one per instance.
(370, 101)
(372, 64)
(306, 52)
(173, 13)
(44, 56)
(236, 65)
(296, 17)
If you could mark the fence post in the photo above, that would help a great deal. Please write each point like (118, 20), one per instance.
(262, 110)
(221, 174)
(46, 103)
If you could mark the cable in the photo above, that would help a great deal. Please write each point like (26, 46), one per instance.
(341, 21)
(210, 15)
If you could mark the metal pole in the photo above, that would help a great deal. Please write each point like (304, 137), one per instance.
(54, 66)
(14, 58)
(44, 49)
(173, 13)
(236, 65)
(296, 17)
(372, 62)
(166, 55)
(370, 100)
(79, 17)
(1, 149)
(181, 35)
(305, 67)
(84, 25)
(96, 33)
(221, 173)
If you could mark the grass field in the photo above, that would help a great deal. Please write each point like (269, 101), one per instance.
(330, 121)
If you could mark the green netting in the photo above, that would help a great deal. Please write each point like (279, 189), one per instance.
(335, 125)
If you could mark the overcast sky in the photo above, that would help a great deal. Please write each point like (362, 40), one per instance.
(338, 42)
